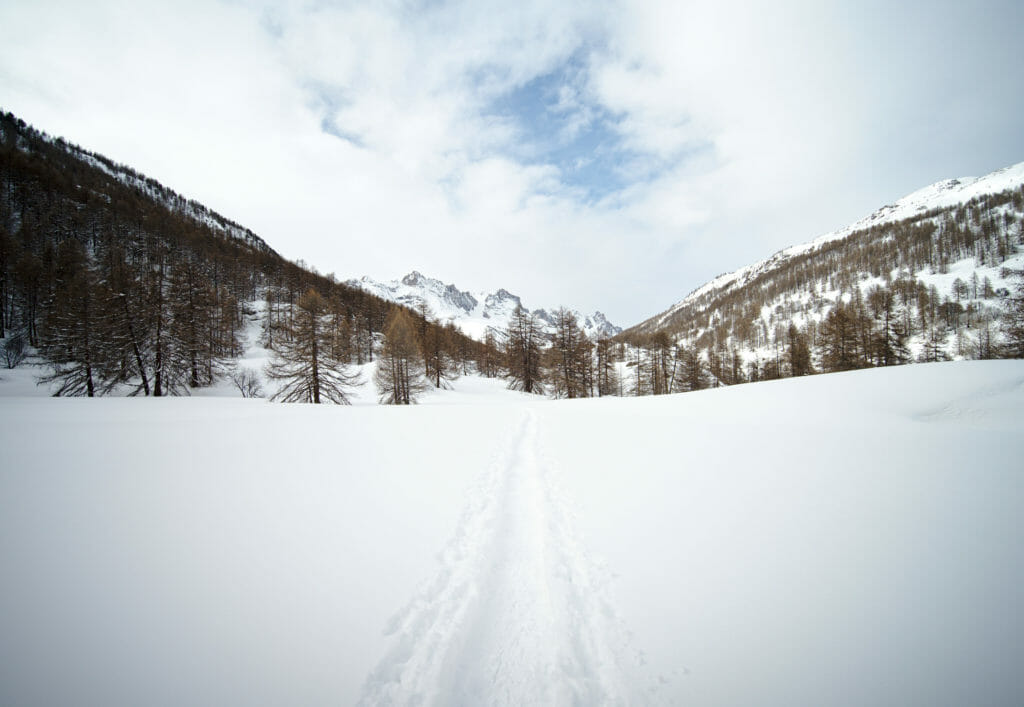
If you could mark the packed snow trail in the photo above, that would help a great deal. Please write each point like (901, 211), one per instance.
(515, 614)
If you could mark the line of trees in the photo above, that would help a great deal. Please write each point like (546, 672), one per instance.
(561, 360)
(888, 327)
(859, 332)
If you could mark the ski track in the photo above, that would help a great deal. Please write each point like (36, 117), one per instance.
(516, 613)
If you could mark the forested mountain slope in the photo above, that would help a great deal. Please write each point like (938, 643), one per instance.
(926, 278)
(119, 282)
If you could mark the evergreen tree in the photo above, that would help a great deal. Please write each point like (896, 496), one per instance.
(399, 374)
(717, 357)
(736, 367)
(936, 334)
(569, 356)
(523, 352)
(986, 345)
(170, 364)
(1013, 319)
(607, 376)
(693, 375)
(73, 338)
(435, 344)
(128, 329)
(798, 354)
(302, 360)
(489, 358)
(889, 342)
(640, 379)
(6, 258)
(664, 362)
(840, 343)
(194, 320)
(29, 276)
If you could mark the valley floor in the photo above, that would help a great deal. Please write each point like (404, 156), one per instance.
(847, 539)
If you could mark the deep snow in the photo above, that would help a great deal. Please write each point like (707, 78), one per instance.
(847, 539)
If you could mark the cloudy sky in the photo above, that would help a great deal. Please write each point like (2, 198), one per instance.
(604, 155)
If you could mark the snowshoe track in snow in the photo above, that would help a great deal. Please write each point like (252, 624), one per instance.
(515, 614)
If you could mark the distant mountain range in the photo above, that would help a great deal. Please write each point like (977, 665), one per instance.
(473, 312)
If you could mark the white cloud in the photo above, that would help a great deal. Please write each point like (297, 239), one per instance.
(744, 127)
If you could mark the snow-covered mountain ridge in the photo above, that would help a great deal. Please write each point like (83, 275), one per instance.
(933, 203)
(944, 194)
(146, 187)
(473, 312)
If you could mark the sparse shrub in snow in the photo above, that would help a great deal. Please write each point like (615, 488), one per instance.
(248, 382)
(14, 350)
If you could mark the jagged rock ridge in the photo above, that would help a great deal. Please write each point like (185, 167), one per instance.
(474, 313)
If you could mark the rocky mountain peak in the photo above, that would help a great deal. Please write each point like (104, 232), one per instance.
(475, 313)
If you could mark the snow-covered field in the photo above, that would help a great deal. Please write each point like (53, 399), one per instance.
(849, 539)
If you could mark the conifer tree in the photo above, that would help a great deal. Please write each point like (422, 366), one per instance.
(716, 364)
(1013, 320)
(523, 352)
(735, 367)
(489, 360)
(692, 375)
(569, 355)
(6, 256)
(29, 275)
(840, 343)
(302, 361)
(640, 361)
(607, 376)
(435, 343)
(195, 325)
(986, 345)
(936, 333)
(889, 341)
(798, 354)
(170, 365)
(72, 337)
(664, 363)
(128, 327)
(399, 374)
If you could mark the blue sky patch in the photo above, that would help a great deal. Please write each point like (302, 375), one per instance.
(561, 125)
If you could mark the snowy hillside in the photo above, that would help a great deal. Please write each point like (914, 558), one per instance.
(197, 551)
(941, 195)
(473, 312)
(929, 278)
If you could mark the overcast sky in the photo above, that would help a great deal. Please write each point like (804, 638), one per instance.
(602, 155)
